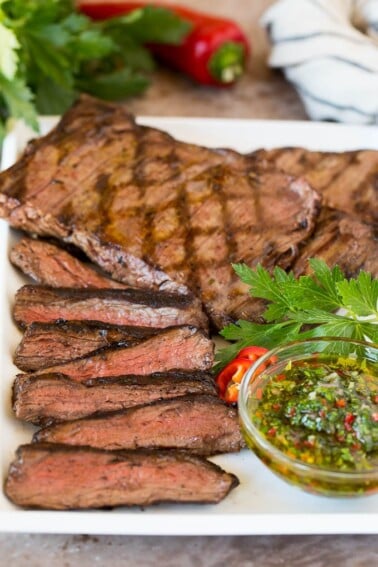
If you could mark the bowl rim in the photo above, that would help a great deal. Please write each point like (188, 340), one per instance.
(272, 450)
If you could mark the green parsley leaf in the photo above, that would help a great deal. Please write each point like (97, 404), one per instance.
(152, 24)
(47, 60)
(51, 53)
(246, 333)
(19, 100)
(360, 295)
(51, 98)
(323, 304)
(116, 85)
(265, 286)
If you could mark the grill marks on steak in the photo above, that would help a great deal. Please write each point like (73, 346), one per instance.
(156, 212)
(186, 348)
(343, 240)
(45, 398)
(201, 424)
(61, 478)
(345, 231)
(51, 265)
(47, 344)
(263, 217)
(112, 306)
(348, 181)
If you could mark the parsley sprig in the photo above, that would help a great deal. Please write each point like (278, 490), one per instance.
(323, 304)
(49, 53)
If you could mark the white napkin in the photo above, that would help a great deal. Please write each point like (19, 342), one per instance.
(332, 64)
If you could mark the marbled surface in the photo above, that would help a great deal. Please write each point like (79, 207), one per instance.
(127, 551)
(260, 94)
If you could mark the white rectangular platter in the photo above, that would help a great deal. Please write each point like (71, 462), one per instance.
(262, 504)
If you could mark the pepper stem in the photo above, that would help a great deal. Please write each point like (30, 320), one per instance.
(227, 63)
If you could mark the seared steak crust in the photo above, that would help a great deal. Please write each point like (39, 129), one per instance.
(184, 348)
(348, 181)
(200, 424)
(49, 264)
(141, 307)
(155, 212)
(59, 477)
(47, 344)
(50, 398)
(343, 240)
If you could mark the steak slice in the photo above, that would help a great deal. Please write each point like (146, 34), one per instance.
(185, 348)
(343, 240)
(154, 212)
(200, 424)
(55, 397)
(58, 477)
(51, 265)
(348, 181)
(47, 344)
(145, 308)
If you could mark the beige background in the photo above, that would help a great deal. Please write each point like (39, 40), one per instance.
(261, 93)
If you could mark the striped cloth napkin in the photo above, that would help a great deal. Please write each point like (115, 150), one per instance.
(328, 49)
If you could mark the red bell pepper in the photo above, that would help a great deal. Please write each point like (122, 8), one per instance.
(228, 380)
(213, 53)
(252, 352)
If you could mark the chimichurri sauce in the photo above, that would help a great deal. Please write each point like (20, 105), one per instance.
(323, 412)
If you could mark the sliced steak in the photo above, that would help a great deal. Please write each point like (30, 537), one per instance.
(200, 424)
(154, 212)
(55, 397)
(185, 348)
(343, 240)
(51, 265)
(348, 181)
(58, 477)
(145, 308)
(47, 344)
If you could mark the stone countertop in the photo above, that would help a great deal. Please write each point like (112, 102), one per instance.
(261, 94)
(132, 551)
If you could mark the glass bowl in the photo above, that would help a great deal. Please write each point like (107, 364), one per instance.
(292, 450)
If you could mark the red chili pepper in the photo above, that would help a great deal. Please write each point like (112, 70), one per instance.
(213, 53)
(232, 373)
(229, 378)
(232, 394)
(252, 352)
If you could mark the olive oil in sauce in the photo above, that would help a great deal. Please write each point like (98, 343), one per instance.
(323, 412)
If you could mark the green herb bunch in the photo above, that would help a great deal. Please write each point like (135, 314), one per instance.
(323, 304)
(49, 53)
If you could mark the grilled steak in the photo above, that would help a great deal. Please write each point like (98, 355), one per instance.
(348, 181)
(343, 240)
(154, 212)
(130, 306)
(47, 344)
(201, 424)
(60, 478)
(55, 397)
(185, 348)
(51, 265)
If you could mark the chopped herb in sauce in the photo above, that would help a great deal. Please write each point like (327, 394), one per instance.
(323, 412)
